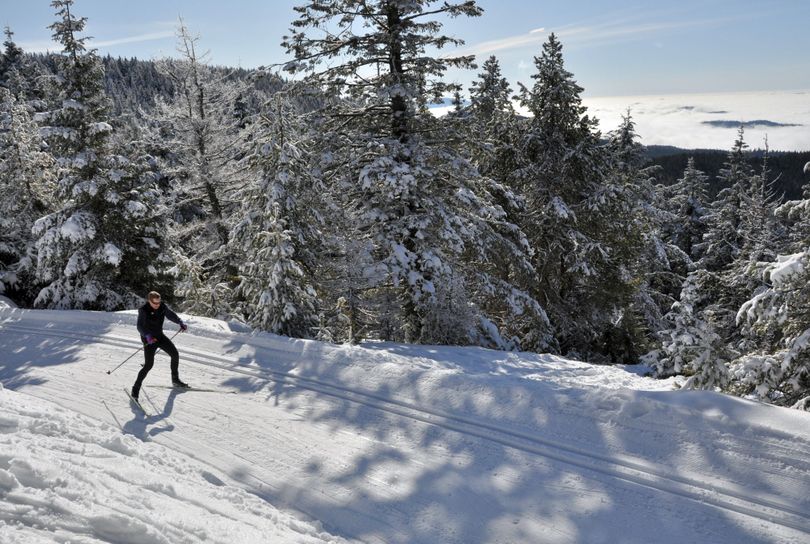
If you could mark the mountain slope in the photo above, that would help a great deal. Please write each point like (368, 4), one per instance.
(384, 443)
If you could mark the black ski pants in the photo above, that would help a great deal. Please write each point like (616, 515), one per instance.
(149, 351)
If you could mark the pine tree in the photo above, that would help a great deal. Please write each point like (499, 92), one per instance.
(778, 321)
(428, 218)
(11, 59)
(562, 173)
(100, 249)
(688, 206)
(200, 125)
(723, 240)
(640, 261)
(26, 183)
(279, 231)
(775, 321)
(492, 124)
(693, 346)
(20, 76)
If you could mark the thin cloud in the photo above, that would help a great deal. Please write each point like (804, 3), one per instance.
(505, 44)
(151, 36)
(615, 32)
(44, 47)
(583, 35)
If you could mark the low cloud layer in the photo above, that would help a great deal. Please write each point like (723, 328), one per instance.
(711, 121)
(706, 121)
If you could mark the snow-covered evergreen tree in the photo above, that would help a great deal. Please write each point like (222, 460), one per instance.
(279, 230)
(693, 346)
(723, 239)
(759, 225)
(100, 249)
(11, 60)
(775, 321)
(640, 265)
(26, 183)
(428, 216)
(779, 321)
(22, 77)
(563, 174)
(688, 205)
(760, 233)
(490, 130)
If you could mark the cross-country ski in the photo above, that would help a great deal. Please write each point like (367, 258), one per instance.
(191, 388)
(136, 402)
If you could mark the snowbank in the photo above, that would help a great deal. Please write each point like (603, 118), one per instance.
(66, 477)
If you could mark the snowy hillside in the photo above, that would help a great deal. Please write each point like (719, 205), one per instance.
(300, 441)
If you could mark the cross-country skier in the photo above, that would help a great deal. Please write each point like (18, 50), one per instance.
(150, 325)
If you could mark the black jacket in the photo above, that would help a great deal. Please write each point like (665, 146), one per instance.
(150, 321)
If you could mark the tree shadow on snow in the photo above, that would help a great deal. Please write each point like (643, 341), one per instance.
(26, 350)
(444, 472)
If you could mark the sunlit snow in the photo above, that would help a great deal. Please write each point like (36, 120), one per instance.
(294, 441)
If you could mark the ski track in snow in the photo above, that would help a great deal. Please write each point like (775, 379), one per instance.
(355, 434)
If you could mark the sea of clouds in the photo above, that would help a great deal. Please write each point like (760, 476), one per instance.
(705, 121)
(711, 121)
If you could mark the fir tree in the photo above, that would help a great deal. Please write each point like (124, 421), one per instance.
(423, 210)
(693, 346)
(562, 173)
(492, 125)
(775, 321)
(100, 249)
(26, 183)
(723, 240)
(640, 263)
(688, 206)
(279, 231)
(11, 60)
(21, 76)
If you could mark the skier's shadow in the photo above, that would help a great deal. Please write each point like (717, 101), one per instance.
(145, 427)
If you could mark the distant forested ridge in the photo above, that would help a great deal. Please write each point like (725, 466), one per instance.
(786, 165)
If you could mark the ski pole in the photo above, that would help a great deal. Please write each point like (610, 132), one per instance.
(134, 354)
(125, 360)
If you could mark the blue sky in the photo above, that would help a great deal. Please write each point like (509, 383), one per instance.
(614, 48)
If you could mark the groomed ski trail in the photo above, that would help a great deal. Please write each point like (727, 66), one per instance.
(192, 436)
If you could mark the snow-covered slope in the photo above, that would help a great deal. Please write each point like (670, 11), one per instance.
(300, 441)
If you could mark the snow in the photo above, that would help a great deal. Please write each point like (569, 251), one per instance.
(99, 128)
(79, 226)
(111, 254)
(71, 104)
(302, 441)
(785, 267)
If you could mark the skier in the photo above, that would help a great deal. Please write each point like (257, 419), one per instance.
(150, 325)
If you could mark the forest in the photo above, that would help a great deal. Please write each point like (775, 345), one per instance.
(322, 199)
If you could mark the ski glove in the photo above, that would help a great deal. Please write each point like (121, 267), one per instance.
(183, 327)
(150, 339)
